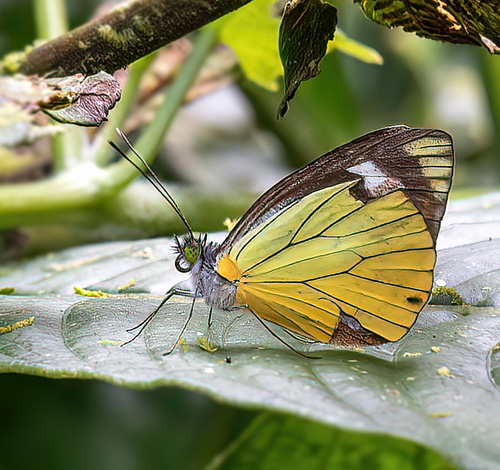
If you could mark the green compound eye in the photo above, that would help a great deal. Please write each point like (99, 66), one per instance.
(191, 253)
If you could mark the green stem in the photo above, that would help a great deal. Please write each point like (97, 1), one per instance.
(490, 73)
(51, 22)
(67, 149)
(118, 115)
(149, 143)
(51, 18)
(80, 186)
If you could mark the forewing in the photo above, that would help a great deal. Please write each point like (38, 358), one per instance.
(417, 161)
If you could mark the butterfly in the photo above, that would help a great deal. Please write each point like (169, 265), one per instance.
(341, 251)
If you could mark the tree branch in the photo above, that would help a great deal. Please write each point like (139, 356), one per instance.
(124, 35)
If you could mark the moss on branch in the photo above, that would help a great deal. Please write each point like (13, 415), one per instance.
(124, 35)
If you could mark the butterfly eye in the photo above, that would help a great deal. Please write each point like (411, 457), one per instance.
(187, 258)
(191, 253)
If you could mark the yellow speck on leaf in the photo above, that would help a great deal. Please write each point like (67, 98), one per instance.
(409, 354)
(130, 283)
(15, 326)
(92, 293)
(183, 345)
(435, 349)
(206, 345)
(440, 414)
(445, 372)
(110, 342)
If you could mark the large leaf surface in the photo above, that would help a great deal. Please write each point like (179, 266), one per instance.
(444, 397)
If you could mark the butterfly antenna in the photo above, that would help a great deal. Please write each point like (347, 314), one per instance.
(151, 176)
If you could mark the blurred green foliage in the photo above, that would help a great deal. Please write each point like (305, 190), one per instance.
(65, 424)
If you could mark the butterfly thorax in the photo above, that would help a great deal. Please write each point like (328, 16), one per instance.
(200, 259)
(217, 291)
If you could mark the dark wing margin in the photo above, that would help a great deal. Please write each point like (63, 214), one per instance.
(417, 161)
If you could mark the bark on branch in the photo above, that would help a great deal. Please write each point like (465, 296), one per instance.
(124, 35)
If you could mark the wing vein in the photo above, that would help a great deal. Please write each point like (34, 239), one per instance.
(370, 313)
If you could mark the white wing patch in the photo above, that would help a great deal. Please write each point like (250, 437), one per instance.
(376, 182)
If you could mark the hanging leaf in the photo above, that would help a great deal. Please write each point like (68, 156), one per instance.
(306, 28)
(252, 32)
(456, 21)
(81, 100)
(76, 99)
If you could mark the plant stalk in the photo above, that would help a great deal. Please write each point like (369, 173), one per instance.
(151, 140)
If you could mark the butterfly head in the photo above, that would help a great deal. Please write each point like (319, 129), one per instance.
(189, 249)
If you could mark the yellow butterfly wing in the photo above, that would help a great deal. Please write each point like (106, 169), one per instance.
(350, 236)
(330, 253)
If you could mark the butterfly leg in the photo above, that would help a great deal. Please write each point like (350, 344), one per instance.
(142, 326)
(300, 338)
(281, 340)
(183, 329)
(210, 318)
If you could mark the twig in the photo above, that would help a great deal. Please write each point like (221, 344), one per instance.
(124, 35)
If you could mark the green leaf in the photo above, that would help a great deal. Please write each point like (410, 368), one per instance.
(306, 28)
(395, 390)
(252, 32)
(355, 49)
(275, 441)
(433, 387)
